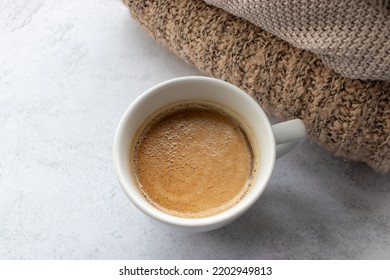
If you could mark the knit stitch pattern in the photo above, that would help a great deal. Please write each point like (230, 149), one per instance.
(351, 36)
(349, 117)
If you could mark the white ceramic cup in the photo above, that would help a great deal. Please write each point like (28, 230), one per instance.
(272, 141)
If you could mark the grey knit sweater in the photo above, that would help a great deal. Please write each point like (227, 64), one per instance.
(351, 36)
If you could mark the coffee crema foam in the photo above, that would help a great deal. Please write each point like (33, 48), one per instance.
(193, 160)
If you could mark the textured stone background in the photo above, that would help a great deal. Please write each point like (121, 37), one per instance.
(68, 71)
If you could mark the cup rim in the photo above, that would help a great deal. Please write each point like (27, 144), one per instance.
(159, 215)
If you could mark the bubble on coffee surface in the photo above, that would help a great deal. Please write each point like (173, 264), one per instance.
(193, 160)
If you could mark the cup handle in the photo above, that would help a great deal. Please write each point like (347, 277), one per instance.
(288, 135)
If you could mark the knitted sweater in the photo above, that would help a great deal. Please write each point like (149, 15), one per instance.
(350, 36)
(349, 117)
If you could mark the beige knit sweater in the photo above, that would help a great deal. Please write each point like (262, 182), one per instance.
(350, 36)
(349, 117)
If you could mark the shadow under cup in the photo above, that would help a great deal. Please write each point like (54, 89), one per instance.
(208, 90)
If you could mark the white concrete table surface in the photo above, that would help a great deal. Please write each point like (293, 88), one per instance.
(68, 71)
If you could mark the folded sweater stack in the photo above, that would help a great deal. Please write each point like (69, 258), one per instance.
(349, 117)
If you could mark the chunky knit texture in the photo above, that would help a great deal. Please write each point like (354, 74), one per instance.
(350, 36)
(351, 118)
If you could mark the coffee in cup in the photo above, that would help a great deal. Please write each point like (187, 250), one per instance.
(224, 104)
(193, 159)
